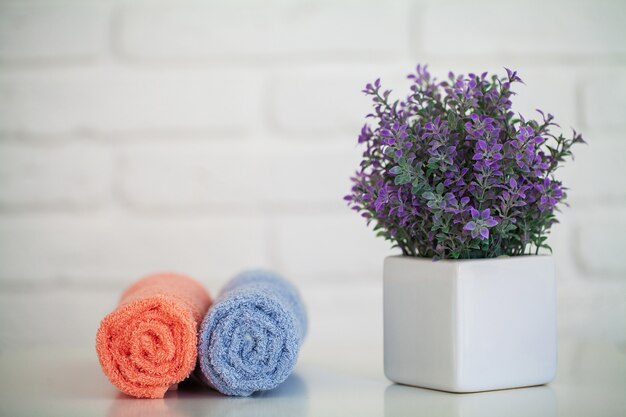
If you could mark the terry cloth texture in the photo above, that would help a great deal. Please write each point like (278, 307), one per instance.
(149, 341)
(250, 338)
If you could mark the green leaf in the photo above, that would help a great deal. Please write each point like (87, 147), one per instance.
(417, 187)
(395, 170)
(402, 179)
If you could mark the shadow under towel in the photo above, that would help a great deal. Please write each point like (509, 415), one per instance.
(250, 338)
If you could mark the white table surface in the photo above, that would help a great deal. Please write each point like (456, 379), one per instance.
(591, 381)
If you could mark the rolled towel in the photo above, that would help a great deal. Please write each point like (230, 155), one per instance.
(250, 338)
(148, 343)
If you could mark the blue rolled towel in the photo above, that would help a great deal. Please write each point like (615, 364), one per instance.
(250, 338)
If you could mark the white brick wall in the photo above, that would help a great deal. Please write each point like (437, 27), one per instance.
(94, 100)
(604, 100)
(551, 30)
(602, 180)
(138, 136)
(600, 245)
(112, 249)
(303, 103)
(40, 31)
(325, 247)
(60, 177)
(241, 29)
(235, 175)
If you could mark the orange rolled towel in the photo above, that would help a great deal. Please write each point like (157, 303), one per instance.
(148, 343)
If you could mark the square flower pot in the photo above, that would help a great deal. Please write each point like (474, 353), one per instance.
(470, 325)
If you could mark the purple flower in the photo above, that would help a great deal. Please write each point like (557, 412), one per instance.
(452, 160)
(455, 176)
(487, 157)
(480, 223)
(382, 199)
(550, 193)
(366, 134)
(479, 126)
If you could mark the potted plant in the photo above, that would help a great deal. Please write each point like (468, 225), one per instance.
(465, 188)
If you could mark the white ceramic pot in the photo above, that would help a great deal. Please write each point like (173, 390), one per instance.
(470, 325)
